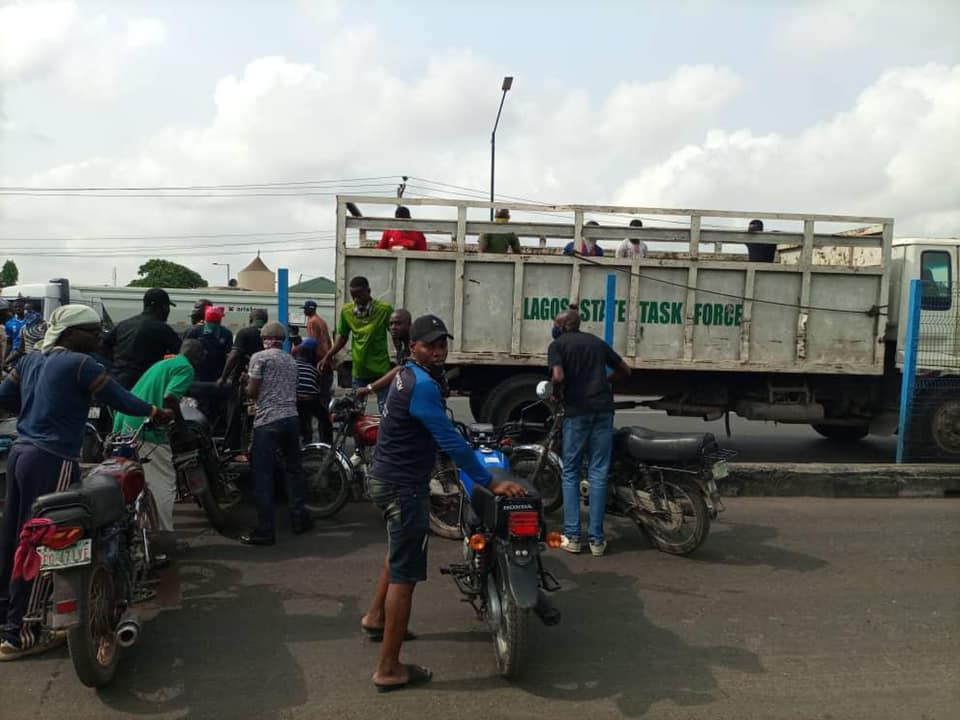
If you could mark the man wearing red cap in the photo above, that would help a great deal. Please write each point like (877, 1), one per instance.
(216, 341)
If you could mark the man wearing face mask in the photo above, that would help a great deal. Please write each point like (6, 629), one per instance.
(364, 322)
(578, 365)
(414, 427)
(590, 246)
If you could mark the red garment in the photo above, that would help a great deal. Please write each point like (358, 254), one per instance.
(214, 314)
(408, 239)
(26, 561)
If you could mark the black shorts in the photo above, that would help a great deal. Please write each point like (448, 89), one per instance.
(407, 513)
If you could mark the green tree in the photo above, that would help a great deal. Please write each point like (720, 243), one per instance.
(166, 274)
(9, 274)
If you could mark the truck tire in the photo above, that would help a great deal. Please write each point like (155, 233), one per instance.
(842, 433)
(935, 425)
(510, 396)
(478, 401)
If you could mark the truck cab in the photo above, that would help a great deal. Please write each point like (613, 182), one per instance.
(47, 297)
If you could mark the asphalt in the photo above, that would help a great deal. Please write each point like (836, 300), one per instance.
(794, 608)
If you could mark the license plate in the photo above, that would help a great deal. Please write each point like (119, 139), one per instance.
(720, 470)
(93, 413)
(72, 556)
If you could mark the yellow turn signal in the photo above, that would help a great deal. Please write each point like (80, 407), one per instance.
(553, 539)
(478, 542)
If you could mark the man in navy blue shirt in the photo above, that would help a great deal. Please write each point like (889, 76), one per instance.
(414, 426)
(51, 391)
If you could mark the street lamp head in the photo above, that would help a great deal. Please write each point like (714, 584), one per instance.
(507, 83)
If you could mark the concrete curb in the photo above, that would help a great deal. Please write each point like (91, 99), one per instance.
(841, 480)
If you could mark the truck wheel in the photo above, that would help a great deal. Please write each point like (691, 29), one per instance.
(842, 433)
(477, 402)
(935, 426)
(512, 395)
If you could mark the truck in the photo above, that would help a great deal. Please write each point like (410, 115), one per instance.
(114, 304)
(816, 336)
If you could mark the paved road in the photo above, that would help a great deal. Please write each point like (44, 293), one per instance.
(757, 441)
(795, 608)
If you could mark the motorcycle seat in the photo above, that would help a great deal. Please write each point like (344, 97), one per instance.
(99, 494)
(665, 447)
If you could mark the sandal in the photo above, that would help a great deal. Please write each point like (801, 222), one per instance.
(416, 675)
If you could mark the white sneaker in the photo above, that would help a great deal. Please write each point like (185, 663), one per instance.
(569, 544)
(598, 548)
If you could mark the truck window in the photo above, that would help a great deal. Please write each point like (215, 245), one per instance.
(937, 281)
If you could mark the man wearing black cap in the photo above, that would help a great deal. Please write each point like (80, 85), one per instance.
(138, 342)
(415, 425)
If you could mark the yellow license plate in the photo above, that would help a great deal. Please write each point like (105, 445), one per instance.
(73, 556)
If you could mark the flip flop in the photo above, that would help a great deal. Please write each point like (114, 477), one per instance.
(376, 634)
(416, 675)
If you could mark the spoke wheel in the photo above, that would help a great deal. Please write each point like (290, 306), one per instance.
(93, 645)
(445, 493)
(326, 481)
(680, 521)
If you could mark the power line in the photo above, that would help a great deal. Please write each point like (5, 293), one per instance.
(104, 188)
(161, 237)
(163, 248)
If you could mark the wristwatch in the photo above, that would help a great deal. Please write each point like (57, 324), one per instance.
(369, 388)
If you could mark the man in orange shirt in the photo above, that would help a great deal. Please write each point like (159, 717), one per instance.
(402, 239)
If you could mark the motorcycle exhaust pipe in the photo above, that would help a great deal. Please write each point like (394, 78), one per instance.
(128, 631)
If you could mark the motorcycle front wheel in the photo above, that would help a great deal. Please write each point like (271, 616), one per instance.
(511, 631)
(445, 495)
(681, 522)
(325, 479)
(93, 646)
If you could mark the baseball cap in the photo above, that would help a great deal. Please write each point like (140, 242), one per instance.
(214, 314)
(157, 296)
(309, 304)
(428, 329)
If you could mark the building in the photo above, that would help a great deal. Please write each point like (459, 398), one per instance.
(256, 276)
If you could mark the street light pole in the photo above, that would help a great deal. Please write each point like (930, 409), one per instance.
(228, 271)
(507, 84)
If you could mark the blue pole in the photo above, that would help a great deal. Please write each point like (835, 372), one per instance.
(610, 309)
(283, 302)
(908, 383)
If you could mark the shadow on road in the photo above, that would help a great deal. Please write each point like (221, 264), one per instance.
(605, 647)
(227, 645)
(747, 545)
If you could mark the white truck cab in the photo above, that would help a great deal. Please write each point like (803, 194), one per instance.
(47, 297)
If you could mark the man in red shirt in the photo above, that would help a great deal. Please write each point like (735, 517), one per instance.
(402, 239)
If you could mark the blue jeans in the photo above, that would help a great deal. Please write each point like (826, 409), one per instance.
(590, 435)
(381, 394)
(283, 437)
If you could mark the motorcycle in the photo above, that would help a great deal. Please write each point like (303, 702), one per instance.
(502, 574)
(496, 447)
(202, 471)
(665, 482)
(93, 540)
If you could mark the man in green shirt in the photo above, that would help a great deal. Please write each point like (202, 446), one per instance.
(172, 376)
(500, 242)
(365, 322)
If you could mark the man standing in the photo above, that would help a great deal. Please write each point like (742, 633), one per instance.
(217, 342)
(400, 334)
(198, 314)
(276, 429)
(245, 345)
(499, 243)
(413, 428)
(632, 247)
(313, 394)
(364, 322)
(167, 377)
(578, 364)
(14, 324)
(51, 391)
(138, 342)
(318, 330)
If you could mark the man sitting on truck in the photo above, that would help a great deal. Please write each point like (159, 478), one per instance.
(365, 320)
(759, 252)
(138, 342)
(499, 242)
(402, 239)
(590, 246)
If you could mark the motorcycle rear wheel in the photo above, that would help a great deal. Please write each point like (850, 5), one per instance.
(93, 646)
(510, 635)
(685, 521)
(445, 492)
(327, 494)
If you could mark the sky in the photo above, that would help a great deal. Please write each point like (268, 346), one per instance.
(847, 107)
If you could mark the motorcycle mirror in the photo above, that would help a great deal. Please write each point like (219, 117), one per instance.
(544, 389)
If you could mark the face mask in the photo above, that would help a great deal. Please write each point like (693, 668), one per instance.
(557, 331)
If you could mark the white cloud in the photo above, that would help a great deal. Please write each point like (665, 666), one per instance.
(31, 36)
(144, 33)
(892, 154)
